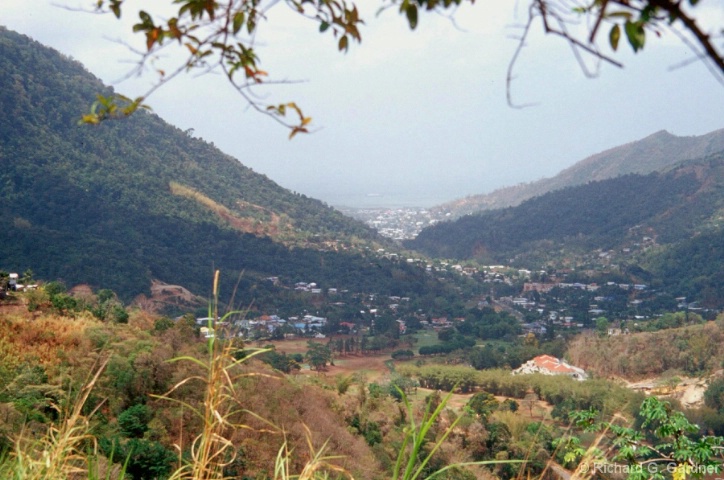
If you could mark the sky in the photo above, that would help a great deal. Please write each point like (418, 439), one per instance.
(407, 118)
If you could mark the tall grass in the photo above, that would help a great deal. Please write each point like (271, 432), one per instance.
(66, 451)
(211, 450)
(409, 464)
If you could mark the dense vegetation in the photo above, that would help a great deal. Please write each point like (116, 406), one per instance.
(677, 212)
(597, 215)
(125, 202)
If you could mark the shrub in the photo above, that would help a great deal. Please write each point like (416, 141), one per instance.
(133, 422)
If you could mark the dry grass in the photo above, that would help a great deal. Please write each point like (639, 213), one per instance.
(45, 339)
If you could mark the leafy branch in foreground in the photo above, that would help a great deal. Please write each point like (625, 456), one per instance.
(221, 36)
(666, 443)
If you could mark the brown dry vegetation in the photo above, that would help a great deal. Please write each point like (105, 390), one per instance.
(47, 339)
(692, 350)
(259, 222)
(293, 407)
(139, 367)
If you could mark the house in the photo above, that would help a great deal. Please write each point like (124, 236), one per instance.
(548, 365)
(538, 287)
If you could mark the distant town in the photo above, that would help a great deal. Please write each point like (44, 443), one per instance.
(400, 223)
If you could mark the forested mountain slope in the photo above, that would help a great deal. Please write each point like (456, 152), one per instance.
(670, 225)
(124, 202)
(653, 153)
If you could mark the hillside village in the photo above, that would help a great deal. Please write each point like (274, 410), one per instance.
(548, 308)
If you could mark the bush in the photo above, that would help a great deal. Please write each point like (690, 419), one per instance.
(144, 459)
(372, 434)
(133, 422)
(714, 395)
(402, 354)
(483, 403)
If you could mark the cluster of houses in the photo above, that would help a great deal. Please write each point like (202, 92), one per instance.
(590, 287)
(267, 324)
(308, 287)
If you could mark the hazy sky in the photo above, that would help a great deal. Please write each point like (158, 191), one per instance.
(420, 117)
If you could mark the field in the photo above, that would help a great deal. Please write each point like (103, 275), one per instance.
(373, 366)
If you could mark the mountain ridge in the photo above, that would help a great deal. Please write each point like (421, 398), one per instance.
(654, 152)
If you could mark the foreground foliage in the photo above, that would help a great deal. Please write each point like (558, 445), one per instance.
(663, 442)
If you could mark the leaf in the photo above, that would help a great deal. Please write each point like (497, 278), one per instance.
(679, 472)
(238, 22)
(343, 43)
(626, 15)
(635, 34)
(173, 29)
(90, 119)
(145, 18)
(116, 9)
(614, 36)
(152, 36)
(411, 12)
(323, 26)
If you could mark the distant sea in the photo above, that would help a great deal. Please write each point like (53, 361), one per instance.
(382, 200)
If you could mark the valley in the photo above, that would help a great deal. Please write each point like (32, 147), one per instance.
(168, 313)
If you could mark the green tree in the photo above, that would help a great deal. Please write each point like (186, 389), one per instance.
(714, 395)
(602, 326)
(27, 277)
(4, 280)
(318, 355)
(483, 404)
(133, 422)
(143, 459)
(55, 288)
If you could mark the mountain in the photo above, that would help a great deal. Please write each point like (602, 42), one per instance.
(129, 202)
(651, 154)
(669, 223)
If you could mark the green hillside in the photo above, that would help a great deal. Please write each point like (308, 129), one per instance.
(119, 204)
(671, 223)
